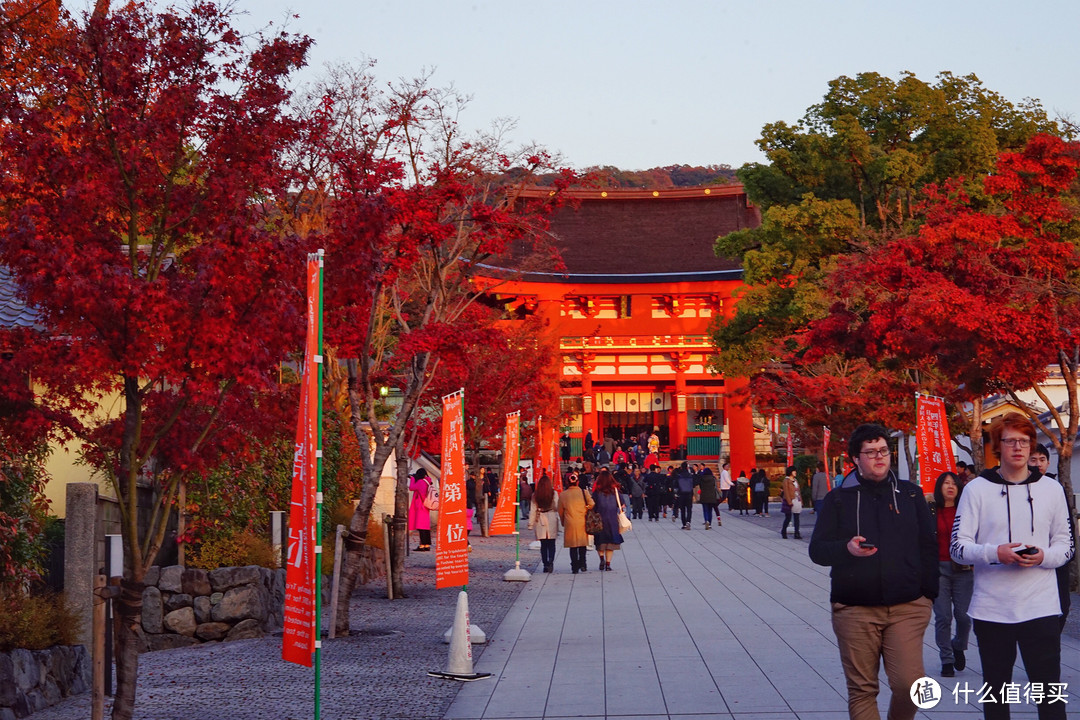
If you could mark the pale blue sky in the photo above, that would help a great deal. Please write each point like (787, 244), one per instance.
(641, 84)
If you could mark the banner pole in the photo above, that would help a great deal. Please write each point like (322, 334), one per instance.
(319, 508)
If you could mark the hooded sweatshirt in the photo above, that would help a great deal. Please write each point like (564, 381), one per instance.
(993, 511)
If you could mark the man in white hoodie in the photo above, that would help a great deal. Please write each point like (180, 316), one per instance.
(1012, 524)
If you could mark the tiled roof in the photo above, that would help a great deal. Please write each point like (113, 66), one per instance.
(13, 311)
(650, 232)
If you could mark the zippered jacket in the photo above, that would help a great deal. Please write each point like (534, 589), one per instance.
(893, 515)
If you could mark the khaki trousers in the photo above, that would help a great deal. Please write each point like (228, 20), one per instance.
(890, 632)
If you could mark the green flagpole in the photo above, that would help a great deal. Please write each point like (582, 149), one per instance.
(318, 511)
(517, 510)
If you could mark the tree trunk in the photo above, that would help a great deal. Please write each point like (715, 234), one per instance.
(975, 435)
(401, 514)
(1064, 475)
(128, 608)
(910, 459)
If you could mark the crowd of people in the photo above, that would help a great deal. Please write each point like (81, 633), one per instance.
(985, 552)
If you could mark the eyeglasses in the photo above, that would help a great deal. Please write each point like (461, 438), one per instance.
(874, 454)
(1016, 442)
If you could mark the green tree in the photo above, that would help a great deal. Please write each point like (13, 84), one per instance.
(847, 177)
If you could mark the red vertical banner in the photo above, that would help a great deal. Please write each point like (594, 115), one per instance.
(553, 458)
(504, 521)
(538, 450)
(826, 435)
(933, 441)
(790, 447)
(299, 635)
(452, 549)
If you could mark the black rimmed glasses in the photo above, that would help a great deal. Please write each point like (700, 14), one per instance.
(1016, 442)
(875, 454)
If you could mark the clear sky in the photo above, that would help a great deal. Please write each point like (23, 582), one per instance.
(642, 84)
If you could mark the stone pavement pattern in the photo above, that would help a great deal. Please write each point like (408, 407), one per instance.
(380, 671)
(728, 623)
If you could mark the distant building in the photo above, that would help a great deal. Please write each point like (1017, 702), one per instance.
(632, 310)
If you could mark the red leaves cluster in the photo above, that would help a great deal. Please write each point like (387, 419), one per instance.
(131, 219)
(976, 295)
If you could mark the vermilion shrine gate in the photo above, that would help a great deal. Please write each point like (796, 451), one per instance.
(632, 310)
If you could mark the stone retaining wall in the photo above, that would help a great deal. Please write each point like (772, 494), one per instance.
(184, 607)
(34, 680)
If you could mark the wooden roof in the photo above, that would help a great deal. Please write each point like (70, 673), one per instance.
(648, 232)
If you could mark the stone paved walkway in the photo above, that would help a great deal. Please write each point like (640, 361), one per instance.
(729, 623)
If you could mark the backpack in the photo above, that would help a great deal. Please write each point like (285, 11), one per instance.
(431, 498)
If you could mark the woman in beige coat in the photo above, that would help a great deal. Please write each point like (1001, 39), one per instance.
(573, 504)
(544, 518)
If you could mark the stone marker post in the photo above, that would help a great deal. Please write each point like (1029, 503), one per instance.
(80, 548)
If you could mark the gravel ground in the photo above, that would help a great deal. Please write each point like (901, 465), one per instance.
(380, 671)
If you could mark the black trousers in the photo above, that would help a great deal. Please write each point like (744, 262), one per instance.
(547, 551)
(577, 558)
(653, 503)
(637, 504)
(686, 507)
(1040, 647)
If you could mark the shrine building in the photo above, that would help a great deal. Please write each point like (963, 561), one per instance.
(632, 310)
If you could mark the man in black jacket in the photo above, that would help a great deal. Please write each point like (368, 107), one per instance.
(876, 533)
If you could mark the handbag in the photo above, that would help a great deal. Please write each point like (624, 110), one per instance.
(625, 525)
(593, 522)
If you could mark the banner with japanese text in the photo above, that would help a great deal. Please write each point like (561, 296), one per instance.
(298, 637)
(538, 450)
(826, 435)
(553, 459)
(504, 521)
(452, 548)
(933, 442)
(790, 448)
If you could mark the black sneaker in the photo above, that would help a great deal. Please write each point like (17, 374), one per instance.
(947, 670)
(960, 662)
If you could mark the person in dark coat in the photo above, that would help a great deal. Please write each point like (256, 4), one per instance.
(654, 491)
(876, 533)
(606, 496)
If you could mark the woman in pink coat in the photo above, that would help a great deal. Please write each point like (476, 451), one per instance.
(420, 516)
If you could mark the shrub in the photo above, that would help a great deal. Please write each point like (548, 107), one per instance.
(242, 548)
(35, 622)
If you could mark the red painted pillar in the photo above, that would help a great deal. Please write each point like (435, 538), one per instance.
(588, 412)
(678, 416)
(740, 422)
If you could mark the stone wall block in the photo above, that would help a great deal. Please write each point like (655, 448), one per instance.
(241, 603)
(181, 622)
(202, 608)
(152, 610)
(153, 574)
(169, 641)
(224, 578)
(195, 582)
(27, 673)
(177, 601)
(212, 630)
(246, 630)
(51, 692)
(7, 713)
(171, 579)
(215, 598)
(7, 681)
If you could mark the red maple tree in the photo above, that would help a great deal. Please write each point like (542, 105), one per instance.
(130, 219)
(982, 298)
